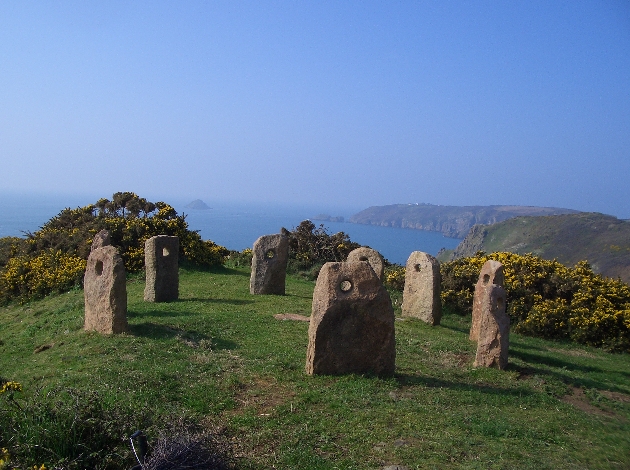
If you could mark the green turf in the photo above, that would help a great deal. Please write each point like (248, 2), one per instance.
(219, 355)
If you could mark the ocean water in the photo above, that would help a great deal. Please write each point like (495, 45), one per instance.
(237, 227)
(234, 225)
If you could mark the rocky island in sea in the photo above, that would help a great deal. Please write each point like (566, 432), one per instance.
(198, 204)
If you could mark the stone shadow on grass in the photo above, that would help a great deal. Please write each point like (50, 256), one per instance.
(433, 382)
(536, 366)
(191, 338)
(217, 301)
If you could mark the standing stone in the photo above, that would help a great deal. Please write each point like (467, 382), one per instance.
(352, 323)
(421, 295)
(161, 263)
(373, 257)
(269, 264)
(491, 273)
(102, 238)
(105, 291)
(494, 330)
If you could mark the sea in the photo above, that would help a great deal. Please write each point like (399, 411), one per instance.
(235, 225)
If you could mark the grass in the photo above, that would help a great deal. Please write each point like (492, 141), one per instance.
(219, 357)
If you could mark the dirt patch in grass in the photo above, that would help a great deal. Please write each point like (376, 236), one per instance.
(264, 395)
(615, 396)
(450, 359)
(578, 399)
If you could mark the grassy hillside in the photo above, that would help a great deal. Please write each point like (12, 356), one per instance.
(452, 221)
(219, 357)
(601, 239)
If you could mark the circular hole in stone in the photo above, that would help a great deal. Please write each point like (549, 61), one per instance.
(98, 267)
(417, 267)
(270, 254)
(345, 286)
(363, 258)
(165, 252)
(486, 278)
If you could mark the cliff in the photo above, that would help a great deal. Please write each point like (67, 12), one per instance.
(602, 240)
(452, 221)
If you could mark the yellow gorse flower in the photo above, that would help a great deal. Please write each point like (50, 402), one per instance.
(548, 299)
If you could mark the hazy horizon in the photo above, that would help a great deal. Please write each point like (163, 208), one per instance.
(338, 104)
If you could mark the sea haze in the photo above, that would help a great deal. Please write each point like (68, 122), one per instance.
(233, 225)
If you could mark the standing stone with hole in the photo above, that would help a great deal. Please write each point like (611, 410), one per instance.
(421, 295)
(161, 263)
(491, 273)
(491, 324)
(373, 257)
(352, 323)
(269, 265)
(105, 289)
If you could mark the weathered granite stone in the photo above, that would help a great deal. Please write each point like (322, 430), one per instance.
(352, 323)
(373, 257)
(491, 273)
(105, 292)
(494, 330)
(421, 295)
(102, 238)
(161, 263)
(269, 264)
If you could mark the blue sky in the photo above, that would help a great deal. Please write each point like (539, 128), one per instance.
(345, 103)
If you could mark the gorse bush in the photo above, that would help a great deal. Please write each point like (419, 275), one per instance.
(311, 246)
(53, 258)
(35, 276)
(547, 299)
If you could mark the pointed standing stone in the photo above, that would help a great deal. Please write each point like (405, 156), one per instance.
(491, 273)
(494, 330)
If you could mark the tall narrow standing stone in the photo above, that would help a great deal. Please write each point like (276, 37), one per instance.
(105, 291)
(352, 323)
(161, 263)
(269, 265)
(491, 273)
(421, 295)
(373, 257)
(494, 330)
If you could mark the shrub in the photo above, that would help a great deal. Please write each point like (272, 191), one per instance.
(548, 299)
(240, 258)
(310, 247)
(53, 258)
(49, 271)
(394, 277)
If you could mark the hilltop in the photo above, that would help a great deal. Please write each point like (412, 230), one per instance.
(452, 221)
(602, 240)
